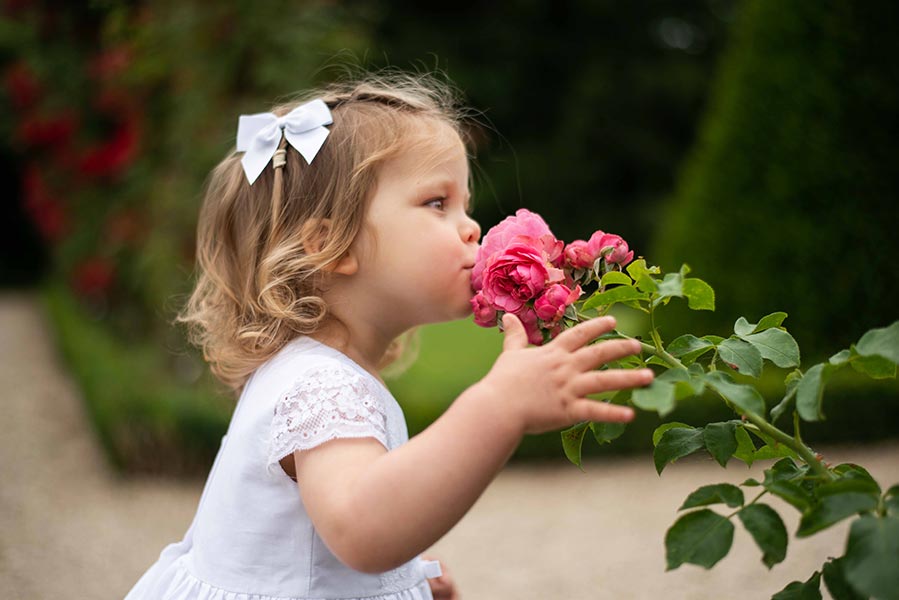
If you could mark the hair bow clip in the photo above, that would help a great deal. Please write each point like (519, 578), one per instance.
(258, 135)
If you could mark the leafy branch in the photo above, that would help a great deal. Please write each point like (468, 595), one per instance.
(689, 367)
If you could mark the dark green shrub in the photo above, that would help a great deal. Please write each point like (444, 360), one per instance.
(788, 201)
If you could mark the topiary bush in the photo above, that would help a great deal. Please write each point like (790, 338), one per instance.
(789, 197)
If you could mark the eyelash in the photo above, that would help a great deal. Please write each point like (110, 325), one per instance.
(432, 200)
(443, 199)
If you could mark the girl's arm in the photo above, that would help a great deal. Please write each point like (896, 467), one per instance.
(376, 509)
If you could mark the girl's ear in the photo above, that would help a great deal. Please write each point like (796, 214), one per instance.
(314, 234)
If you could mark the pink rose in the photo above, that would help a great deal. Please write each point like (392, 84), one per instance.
(551, 305)
(528, 318)
(578, 255)
(610, 246)
(504, 234)
(484, 313)
(515, 276)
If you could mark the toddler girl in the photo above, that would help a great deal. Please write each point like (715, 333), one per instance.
(338, 226)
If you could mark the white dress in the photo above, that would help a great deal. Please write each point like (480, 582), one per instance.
(251, 538)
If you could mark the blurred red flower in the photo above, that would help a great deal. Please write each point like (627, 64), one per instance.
(53, 131)
(22, 85)
(43, 205)
(94, 276)
(113, 156)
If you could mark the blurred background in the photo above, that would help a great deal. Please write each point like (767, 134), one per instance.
(752, 139)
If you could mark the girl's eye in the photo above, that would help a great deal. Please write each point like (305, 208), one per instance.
(441, 201)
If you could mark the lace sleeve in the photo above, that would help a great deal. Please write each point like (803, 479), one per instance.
(328, 402)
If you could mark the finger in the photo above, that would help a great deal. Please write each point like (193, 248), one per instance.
(514, 335)
(584, 333)
(590, 357)
(594, 382)
(603, 412)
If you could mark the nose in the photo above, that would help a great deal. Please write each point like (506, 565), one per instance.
(471, 230)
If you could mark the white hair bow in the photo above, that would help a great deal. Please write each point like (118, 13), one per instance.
(259, 135)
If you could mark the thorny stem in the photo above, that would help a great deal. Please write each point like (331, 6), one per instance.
(804, 452)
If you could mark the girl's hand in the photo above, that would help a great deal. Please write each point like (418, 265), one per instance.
(545, 387)
(443, 587)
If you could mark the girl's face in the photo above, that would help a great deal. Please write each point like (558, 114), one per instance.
(419, 268)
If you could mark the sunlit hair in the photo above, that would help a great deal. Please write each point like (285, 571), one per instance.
(257, 287)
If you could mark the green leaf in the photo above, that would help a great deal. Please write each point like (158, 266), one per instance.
(657, 396)
(638, 268)
(618, 294)
(775, 345)
(674, 444)
(715, 339)
(793, 493)
(783, 479)
(686, 383)
(891, 501)
(689, 347)
(840, 358)
(606, 432)
(751, 483)
(784, 470)
(768, 530)
(700, 295)
(769, 321)
(744, 397)
(714, 494)
(661, 429)
(853, 477)
(874, 366)
(835, 580)
(789, 399)
(647, 284)
(572, 441)
(702, 538)
(743, 327)
(810, 391)
(745, 448)
(797, 590)
(872, 556)
(671, 285)
(615, 278)
(774, 450)
(832, 509)
(881, 342)
(741, 356)
(720, 440)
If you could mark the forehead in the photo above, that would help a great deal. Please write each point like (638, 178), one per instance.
(432, 150)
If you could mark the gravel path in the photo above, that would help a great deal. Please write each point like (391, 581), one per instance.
(70, 529)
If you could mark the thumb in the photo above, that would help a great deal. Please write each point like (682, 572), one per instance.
(514, 335)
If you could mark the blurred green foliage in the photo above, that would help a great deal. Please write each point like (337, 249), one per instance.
(115, 112)
(789, 199)
(593, 104)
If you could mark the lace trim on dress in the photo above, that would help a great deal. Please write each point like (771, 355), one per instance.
(329, 401)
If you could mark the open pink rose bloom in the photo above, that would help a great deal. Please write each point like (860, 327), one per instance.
(523, 269)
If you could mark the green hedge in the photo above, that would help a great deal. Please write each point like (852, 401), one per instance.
(788, 201)
(146, 421)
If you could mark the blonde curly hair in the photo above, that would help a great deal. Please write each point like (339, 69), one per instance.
(257, 287)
